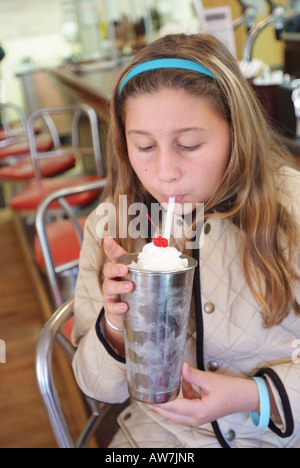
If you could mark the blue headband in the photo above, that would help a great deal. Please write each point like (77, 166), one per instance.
(181, 64)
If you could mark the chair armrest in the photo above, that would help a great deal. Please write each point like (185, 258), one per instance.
(44, 352)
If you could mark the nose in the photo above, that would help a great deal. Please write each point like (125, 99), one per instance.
(168, 166)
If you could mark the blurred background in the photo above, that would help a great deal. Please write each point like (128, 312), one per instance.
(62, 53)
(39, 33)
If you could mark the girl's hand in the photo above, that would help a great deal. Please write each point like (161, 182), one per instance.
(112, 285)
(216, 395)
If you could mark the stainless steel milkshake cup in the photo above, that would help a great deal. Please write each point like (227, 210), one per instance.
(155, 329)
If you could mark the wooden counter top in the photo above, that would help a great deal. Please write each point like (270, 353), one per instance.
(94, 87)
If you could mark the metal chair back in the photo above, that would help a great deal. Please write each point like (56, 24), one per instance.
(73, 115)
(53, 330)
(53, 271)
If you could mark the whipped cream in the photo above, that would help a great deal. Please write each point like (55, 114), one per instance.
(154, 258)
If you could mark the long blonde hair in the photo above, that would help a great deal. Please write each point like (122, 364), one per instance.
(247, 194)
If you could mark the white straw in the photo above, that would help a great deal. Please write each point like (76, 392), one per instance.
(169, 218)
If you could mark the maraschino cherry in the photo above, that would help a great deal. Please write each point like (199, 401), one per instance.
(159, 241)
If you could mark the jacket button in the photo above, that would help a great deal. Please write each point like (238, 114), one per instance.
(207, 228)
(212, 366)
(179, 222)
(127, 416)
(209, 307)
(230, 435)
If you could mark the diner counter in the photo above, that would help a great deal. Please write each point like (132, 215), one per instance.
(94, 87)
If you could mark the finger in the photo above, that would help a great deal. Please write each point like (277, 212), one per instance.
(114, 307)
(180, 410)
(111, 297)
(113, 288)
(114, 270)
(113, 250)
(191, 375)
(188, 391)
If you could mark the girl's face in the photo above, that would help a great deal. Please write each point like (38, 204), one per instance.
(178, 145)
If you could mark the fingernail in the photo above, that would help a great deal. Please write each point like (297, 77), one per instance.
(186, 368)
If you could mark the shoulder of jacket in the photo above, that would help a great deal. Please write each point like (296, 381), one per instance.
(287, 181)
(287, 177)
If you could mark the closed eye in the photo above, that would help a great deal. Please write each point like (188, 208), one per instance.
(189, 148)
(145, 149)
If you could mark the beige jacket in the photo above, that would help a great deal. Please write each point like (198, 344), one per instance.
(235, 343)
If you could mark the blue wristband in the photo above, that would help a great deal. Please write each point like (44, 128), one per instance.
(262, 419)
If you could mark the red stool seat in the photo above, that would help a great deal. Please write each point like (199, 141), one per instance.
(31, 196)
(14, 132)
(21, 148)
(63, 243)
(23, 170)
(68, 327)
(64, 246)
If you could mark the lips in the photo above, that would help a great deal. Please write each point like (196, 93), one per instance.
(178, 198)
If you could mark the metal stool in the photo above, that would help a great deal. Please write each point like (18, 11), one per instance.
(28, 198)
(59, 326)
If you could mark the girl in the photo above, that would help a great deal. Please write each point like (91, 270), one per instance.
(185, 123)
